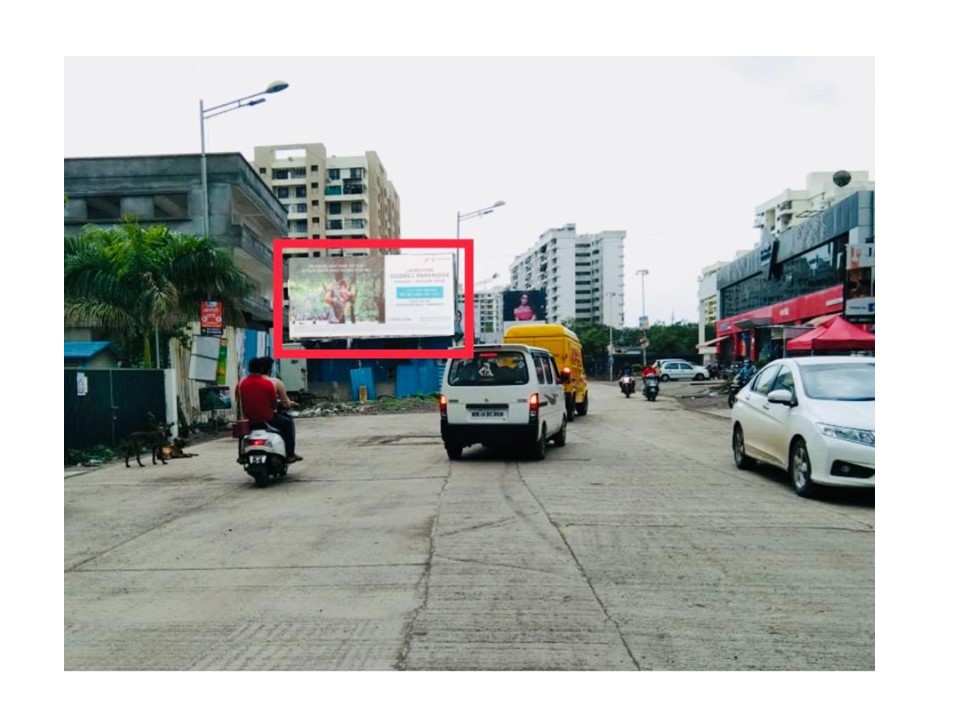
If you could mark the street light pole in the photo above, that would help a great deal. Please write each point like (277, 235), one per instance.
(610, 328)
(467, 216)
(205, 114)
(643, 309)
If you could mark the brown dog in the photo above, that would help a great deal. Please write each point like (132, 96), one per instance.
(153, 439)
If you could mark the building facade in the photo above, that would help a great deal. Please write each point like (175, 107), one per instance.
(792, 207)
(330, 197)
(244, 215)
(580, 274)
(814, 269)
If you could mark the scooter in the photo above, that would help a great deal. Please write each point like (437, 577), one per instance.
(735, 386)
(263, 454)
(651, 387)
(627, 385)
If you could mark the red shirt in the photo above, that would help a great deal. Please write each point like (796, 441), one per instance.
(258, 398)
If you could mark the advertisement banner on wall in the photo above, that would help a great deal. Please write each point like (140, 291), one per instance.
(371, 296)
(858, 289)
(211, 318)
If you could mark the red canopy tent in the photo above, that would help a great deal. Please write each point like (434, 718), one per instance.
(835, 334)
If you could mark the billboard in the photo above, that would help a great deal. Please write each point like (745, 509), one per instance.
(524, 306)
(370, 296)
(859, 299)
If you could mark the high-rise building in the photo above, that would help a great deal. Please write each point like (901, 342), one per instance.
(330, 196)
(581, 275)
(792, 207)
(487, 314)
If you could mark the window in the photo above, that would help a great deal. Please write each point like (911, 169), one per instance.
(283, 192)
(280, 174)
(547, 370)
(299, 207)
(356, 207)
(315, 221)
(764, 380)
(263, 171)
(300, 172)
(784, 381)
(538, 366)
(314, 168)
(354, 189)
(334, 190)
(301, 191)
(298, 225)
(314, 186)
(334, 224)
(315, 203)
(490, 368)
(170, 206)
(356, 173)
(333, 174)
(104, 207)
(334, 208)
(356, 223)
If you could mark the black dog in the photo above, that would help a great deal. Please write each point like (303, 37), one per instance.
(153, 439)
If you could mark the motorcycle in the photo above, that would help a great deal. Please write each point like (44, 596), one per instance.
(651, 387)
(735, 386)
(627, 385)
(263, 454)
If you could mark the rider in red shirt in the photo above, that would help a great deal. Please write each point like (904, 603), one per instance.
(259, 400)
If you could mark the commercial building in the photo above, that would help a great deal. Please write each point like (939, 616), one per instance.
(581, 274)
(802, 271)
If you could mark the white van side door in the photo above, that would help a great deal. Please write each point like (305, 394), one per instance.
(552, 404)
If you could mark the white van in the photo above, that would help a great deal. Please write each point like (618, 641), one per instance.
(505, 395)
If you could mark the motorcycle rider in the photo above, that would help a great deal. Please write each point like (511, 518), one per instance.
(747, 371)
(262, 399)
(648, 371)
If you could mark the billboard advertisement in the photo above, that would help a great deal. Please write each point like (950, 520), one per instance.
(211, 317)
(403, 296)
(371, 296)
(858, 289)
(524, 306)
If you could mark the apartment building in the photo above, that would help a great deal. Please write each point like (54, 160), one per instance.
(487, 314)
(823, 189)
(580, 274)
(329, 196)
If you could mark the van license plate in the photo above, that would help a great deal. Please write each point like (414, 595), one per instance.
(488, 414)
(257, 459)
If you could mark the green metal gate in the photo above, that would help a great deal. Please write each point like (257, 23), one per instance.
(103, 406)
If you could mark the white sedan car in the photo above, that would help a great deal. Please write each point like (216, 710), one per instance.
(811, 416)
(681, 370)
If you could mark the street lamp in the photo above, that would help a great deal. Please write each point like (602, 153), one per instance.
(643, 309)
(468, 216)
(206, 113)
(610, 328)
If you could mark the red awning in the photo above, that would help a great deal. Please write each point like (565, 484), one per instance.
(833, 334)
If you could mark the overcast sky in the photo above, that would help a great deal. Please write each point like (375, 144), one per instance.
(677, 152)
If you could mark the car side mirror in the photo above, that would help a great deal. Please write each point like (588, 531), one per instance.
(564, 376)
(781, 397)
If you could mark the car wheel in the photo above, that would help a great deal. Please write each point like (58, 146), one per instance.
(800, 469)
(664, 378)
(582, 407)
(454, 452)
(539, 449)
(560, 439)
(740, 457)
(698, 376)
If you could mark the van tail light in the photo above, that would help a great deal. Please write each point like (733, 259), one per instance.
(566, 370)
(534, 403)
(443, 406)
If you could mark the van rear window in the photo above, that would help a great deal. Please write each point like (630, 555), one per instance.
(490, 368)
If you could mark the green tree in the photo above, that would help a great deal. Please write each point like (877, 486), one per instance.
(133, 281)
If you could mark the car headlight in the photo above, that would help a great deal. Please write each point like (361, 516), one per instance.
(864, 437)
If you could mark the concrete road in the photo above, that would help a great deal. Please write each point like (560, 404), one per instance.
(638, 546)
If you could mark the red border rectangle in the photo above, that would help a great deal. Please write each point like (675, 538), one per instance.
(281, 244)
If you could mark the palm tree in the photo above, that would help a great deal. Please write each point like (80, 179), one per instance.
(133, 280)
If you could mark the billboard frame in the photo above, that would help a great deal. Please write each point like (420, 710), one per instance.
(462, 352)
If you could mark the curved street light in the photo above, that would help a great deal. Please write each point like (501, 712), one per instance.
(467, 216)
(206, 113)
(643, 309)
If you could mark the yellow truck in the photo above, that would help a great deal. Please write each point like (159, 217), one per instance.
(564, 345)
